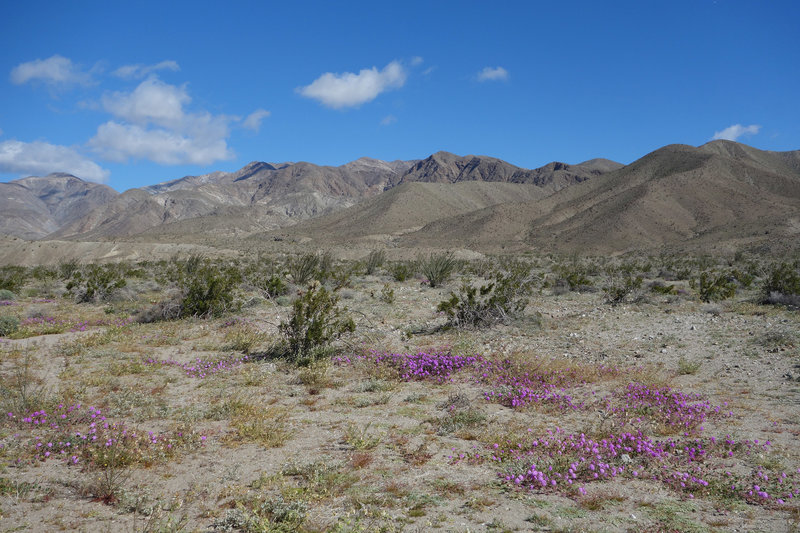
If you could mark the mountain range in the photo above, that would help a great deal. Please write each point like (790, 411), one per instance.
(721, 192)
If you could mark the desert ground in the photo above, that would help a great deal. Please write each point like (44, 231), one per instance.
(639, 393)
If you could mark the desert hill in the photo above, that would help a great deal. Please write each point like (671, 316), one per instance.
(266, 196)
(721, 192)
(410, 206)
(36, 206)
(444, 167)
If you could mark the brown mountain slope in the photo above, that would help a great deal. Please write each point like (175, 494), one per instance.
(677, 195)
(444, 167)
(410, 206)
(263, 196)
(278, 195)
(36, 206)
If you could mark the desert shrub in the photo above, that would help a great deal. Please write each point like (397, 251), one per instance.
(574, 277)
(782, 285)
(43, 273)
(95, 283)
(374, 261)
(8, 325)
(437, 268)
(68, 267)
(13, 278)
(387, 294)
(622, 285)
(209, 291)
(340, 276)
(315, 321)
(402, 270)
(659, 287)
(265, 276)
(744, 278)
(7, 295)
(497, 301)
(326, 266)
(714, 286)
(303, 268)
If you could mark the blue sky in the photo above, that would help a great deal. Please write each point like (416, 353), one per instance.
(137, 93)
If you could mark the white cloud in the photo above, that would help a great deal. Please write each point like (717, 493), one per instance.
(155, 126)
(56, 70)
(152, 101)
(119, 142)
(42, 158)
(416, 60)
(732, 133)
(493, 74)
(388, 120)
(139, 71)
(253, 120)
(350, 90)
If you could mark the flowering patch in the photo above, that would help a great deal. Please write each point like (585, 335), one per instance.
(81, 435)
(671, 408)
(437, 366)
(47, 325)
(202, 368)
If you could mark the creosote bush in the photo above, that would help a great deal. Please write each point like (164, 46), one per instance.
(782, 285)
(209, 291)
(621, 287)
(13, 278)
(402, 270)
(8, 325)
(316, 320)
(497, 301)
(96, 283)
(714, 286)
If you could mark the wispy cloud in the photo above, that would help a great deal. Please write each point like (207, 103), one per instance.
(55, 71)
(155, 126)
(139, 71)
(732, 133)
(40, 158)
(416, 61)
(388, 120)
(253, 120)
(350, 90)
(493, 74)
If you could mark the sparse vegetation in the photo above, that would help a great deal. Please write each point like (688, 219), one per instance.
(315, 321)
(437, 268)
(597, 401)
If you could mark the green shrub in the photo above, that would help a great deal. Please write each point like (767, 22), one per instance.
(659, 287)
(209, 291)
(95, 283)
(7, 295)
(782, 285)
(437, 268)
(315, 321)
(622, 285)
(374, 261)
(402, 270)
(8, 325)
(13, 278)
(575, 277)
(43, 273)
(714, 286)
(495, 302)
